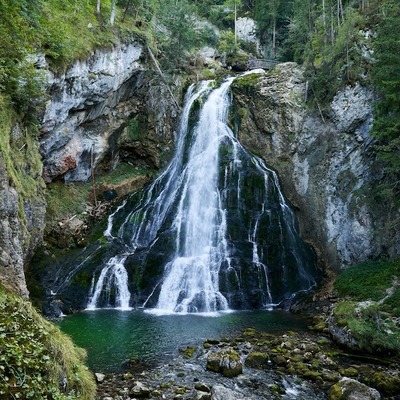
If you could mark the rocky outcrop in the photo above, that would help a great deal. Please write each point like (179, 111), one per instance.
(325, 165)
(99, 111)
(11, 253)
(22, 205)
(92, 103)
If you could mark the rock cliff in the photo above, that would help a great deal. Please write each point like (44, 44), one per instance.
(326, 165)
(98, 111)
(89, 107)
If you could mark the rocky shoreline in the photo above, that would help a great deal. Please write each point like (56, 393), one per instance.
(259, 365)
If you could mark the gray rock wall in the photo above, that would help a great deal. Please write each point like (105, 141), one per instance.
(88, 110)
(326, 166)
(89, 90)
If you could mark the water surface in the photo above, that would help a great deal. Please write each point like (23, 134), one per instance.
(111, 336)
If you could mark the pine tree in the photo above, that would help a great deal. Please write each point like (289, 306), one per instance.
(386, 79)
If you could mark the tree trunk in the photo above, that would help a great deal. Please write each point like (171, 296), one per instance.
(98, 6)
(235, 25)
(324, 22)
(273, 40)
(113, 10)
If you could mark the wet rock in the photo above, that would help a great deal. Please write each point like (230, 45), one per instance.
(227, 362)
(99, 377)
(140, 390)
(256, 359)
(202, 387)
(350, 389)
(203, 396)
(386, 382)
(220, 392)
(188, 352)
(279, 360)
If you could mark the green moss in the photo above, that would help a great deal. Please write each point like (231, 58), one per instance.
(188, 352)
(247, 83)
(37, 361)
(256, 359)
(372, 333)
(133, 129)
(21, 158)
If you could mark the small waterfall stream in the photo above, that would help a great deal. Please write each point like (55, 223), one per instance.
(213, 232)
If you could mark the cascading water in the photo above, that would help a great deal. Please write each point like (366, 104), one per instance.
(213, 232)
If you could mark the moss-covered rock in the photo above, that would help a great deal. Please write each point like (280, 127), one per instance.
(257, 359)
(226, 361)
(188, 351)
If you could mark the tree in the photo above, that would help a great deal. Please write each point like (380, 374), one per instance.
(273, 17)
(386, 79)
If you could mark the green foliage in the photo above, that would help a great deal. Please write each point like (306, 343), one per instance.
(19, 153)
(385, 75)
(272, 17)
(368, 280)
(37, 361)
(178, 30)
(335, 61)
(227, 43)
(372, 323)
(372, 332)
(66, 200)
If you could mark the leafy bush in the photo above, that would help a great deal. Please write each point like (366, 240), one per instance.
(37, 361)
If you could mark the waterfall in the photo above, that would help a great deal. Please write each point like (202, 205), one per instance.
(112, 276)
(212, 233)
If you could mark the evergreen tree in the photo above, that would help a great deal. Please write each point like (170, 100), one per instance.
(386, 79)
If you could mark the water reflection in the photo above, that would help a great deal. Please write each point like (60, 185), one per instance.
(111, 337)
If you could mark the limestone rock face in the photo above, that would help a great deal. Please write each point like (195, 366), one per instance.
(246, 30)
(325, 165)
(91, 106)
(11, 254)
(90, 89)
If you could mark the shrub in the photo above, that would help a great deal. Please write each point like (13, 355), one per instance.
(37, 361)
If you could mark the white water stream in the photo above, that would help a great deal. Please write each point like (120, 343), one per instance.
(190, 189)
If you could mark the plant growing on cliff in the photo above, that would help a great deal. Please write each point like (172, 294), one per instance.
(373, 304)
(37, 361)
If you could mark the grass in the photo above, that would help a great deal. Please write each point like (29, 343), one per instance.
(38, 361)
(369, 311)
(368, 325)
(368, 280)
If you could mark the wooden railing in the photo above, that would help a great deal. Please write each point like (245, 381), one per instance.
(261, 63)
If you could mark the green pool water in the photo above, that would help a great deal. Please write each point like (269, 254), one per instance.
(111, 337)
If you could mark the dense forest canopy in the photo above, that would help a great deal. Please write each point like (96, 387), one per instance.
(339, 42)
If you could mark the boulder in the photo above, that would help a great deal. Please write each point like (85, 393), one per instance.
(220, 392)
(226, 361)
(350, 389)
